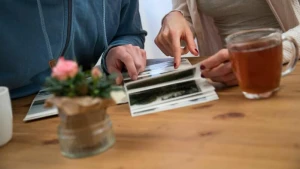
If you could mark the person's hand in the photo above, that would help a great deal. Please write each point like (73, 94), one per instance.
(174, 29)
(133, 58)
(218, 68)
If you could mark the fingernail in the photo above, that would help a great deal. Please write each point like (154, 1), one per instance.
(197, 51)
(202, 76)
(202, 67)
(175, 65)
(134, 77)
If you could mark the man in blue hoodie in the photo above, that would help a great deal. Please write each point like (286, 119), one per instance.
(34, 33)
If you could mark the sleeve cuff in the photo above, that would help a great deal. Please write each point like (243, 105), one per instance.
(104, 55)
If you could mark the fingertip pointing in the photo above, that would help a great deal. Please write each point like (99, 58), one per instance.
(197, 51)
(134, 77)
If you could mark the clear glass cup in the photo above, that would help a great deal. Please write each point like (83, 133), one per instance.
(256, 57)
(85, 139)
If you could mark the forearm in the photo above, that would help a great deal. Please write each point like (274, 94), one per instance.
(182, 7)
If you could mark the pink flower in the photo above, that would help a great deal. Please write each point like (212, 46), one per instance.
(96, 73)
(64, 69)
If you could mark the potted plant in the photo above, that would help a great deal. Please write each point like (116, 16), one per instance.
(82, 99)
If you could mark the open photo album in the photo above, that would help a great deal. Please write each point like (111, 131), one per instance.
(168, 91)
(154, 68)
(37, 109)
(160, 87)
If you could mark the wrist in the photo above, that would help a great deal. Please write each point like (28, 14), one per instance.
(104, 56)
(171, 14)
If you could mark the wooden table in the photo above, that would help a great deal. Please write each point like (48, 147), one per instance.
(230, 133)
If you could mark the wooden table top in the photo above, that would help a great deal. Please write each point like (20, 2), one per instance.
(230, 133)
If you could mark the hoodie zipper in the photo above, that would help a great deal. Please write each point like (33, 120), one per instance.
(68, 28)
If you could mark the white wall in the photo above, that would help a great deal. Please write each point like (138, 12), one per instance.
(152, 12)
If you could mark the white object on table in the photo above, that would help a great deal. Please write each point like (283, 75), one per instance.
(6, 118)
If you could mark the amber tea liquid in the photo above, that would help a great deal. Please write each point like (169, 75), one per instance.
(257, 66)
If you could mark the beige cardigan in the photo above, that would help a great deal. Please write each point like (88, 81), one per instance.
(287, 13)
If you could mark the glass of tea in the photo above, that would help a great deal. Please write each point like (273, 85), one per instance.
(256, 57)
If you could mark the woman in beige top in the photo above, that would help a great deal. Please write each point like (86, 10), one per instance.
(212, 20)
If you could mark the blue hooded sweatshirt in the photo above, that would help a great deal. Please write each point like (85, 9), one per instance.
(33, 32)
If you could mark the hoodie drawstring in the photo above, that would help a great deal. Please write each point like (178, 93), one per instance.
(104, 24)
(43, 25)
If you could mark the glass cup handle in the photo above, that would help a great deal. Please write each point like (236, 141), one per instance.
(291, 65)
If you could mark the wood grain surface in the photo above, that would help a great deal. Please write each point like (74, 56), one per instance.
(230, 133)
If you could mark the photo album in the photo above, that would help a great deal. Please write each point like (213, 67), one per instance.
(37, 109)
(160, 87)
(169, 91)
(154, 68)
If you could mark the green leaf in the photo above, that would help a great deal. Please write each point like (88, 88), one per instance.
(83, 85)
